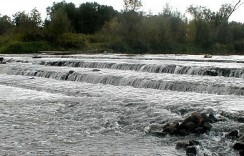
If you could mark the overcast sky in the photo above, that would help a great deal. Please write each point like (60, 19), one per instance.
(9, 7)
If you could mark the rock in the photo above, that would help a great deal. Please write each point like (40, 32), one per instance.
(181, 145)
(211, 73)
(241, 153)
(240, 119)
(95, 70)
(208, 56)
(233, 134)
(156, 129)
(194, 142)
(71, 72)
(238, 146)
(212, 118)
(196, 123)
(185, 144)
(191, 151)
(1, 59)
(36, 56)
(171, 128)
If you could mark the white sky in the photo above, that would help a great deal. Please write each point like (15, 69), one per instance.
(9, 7)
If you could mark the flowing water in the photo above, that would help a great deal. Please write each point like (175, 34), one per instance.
(104, 104)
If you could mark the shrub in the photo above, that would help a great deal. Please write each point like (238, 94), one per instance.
(17, 47)
(73, 41)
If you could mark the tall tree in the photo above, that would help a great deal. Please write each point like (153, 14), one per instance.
(5, 24)
(132, 5)
(28, 25)
(59, 23)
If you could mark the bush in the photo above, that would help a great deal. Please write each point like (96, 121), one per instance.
(239, 47)
(73, 41)
(223, 48)
(17, 47)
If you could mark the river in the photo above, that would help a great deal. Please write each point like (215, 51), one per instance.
(103, 104)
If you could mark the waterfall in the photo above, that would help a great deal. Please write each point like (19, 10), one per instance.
(184, 83)
(153, 68)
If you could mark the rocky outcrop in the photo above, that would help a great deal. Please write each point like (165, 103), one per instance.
(239, 145)
(189, 146)
(1, 59)
(197, 123)
(234, 134)
(208, 56)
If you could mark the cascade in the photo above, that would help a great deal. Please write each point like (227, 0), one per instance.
(152, 68)
(184, 83)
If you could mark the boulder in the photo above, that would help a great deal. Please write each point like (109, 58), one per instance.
(181, 145)
(71, 72)
(208, 56)
(211, 73)
(1, 59)
(239, 146)
(185, 144)
(191, 151)
(95, 70)
(241, 153)
(196, 123)
(36, 56)
(233, 134)
(171, 128)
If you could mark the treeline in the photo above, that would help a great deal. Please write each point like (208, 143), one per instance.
(94, 27)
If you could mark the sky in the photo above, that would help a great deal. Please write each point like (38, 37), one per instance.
(10, 7)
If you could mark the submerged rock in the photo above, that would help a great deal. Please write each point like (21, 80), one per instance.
(36, 56)
(208, 56)
(191, 151)
(95, 70)
(181, 145)
(1, 59)
(233, 134)
(239, 145)
(71, 72)
(185, 144)
(241, 153)
(197, 123)
(211, 73)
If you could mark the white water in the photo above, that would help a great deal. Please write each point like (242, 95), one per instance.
(54, 116)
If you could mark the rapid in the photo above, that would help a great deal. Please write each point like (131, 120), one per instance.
(105, 104)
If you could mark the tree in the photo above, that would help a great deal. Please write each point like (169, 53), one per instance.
(88, 18)
(35, 17)
(69, 8)
(5, 24)
(28, 25)
(59, 24)
(132, 5)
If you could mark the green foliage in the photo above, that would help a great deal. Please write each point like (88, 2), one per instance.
(88, 18)
(132, 5)
(92, 27)
(72, 41)
(28, 25)
(239, 47)
(17, 47)
(59, 24)
(5, 25)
